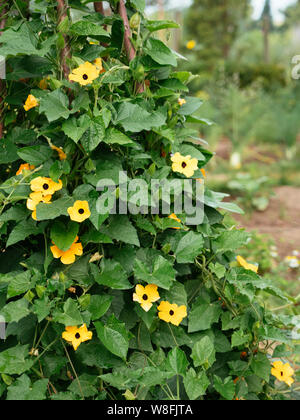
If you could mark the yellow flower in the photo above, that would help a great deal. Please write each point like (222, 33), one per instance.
(31, 102)
(36, 198)
(146, 295)
(45, 185)
(25, 166)
(174, 217)
(61, 153)
(76, 336)
(283, 372)
(68, 257)
(80, 211)
(184, 164)
(170, 312)
(98, 64)
(84, 74)
(191, 45)
(181, 101)
(243, 263)
(43, 84)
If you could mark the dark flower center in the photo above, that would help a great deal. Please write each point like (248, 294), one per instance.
(80, 211)
(145, 297)
(171, 312)
(77, 336)
(281, 373)
(85, 76)
(45, 186)
(183, 164)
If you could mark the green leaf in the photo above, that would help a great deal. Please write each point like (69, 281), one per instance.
(63, 235)
(261, 366)
(35, 155)
(114, 136)
(177, 362)
(114, 336)
(52, 211)
(160, 53)
(14, 311)
(121, 229)
(139, 5)
(94, 134)
(55, 105)
(84, 385)
(239, 338)
(22, 390)
(19, 284)
(191, 105)
(158, 25)
(203, 314)
(76, 127)
(13, 361)
(161, 272)
(113, 275)
(189, 247)
(8, 151)
(86, 28)
(71, 316)
(226, 388)
(195, 384)
(230, 241)
(99, 305)
(203, 352)
(134, 118)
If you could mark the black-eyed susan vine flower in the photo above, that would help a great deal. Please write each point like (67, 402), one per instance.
(80, 211)
(76, 336)
(84, 74)
(146, 296)
(45, 185)
(283, 372)
(181, 101)
(36, 198)
(25, 167)
(184, 164)
(43, 84)
(171, 312)
(191, 44)
(61, 153)
(69, 256)
(174, 217)
(31, 102)
(243, 263)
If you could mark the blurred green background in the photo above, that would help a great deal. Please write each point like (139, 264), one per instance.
(246, 55)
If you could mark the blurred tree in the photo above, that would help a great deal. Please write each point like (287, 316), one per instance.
(214, 26)
(292, 15)
(267, 25)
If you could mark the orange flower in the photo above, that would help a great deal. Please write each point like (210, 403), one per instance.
(69, 256)
(80, 211)
(31, 102)
(61, 153)
(25, 167)
(174, 217)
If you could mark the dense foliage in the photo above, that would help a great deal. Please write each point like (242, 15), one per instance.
(69, 275)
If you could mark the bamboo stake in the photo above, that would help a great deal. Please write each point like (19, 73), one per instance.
(66, 52)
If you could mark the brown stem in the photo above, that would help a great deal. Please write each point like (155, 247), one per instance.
(2, 83)
(66, 52)
(98, 6)
(130, 51)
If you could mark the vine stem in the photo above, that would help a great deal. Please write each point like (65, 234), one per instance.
(2, 83)
(62, 9)
(129, 48)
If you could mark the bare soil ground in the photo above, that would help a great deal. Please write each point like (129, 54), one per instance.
(280, 220)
